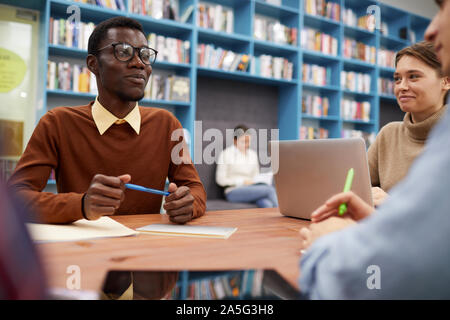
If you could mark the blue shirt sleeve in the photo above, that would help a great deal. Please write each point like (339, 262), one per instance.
(407, 239)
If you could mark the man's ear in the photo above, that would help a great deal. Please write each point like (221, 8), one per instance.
(92, 64)
(447, 83)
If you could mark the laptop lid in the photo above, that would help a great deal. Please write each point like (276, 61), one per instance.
(309, 172)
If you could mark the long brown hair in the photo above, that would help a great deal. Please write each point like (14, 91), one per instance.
(425, 52)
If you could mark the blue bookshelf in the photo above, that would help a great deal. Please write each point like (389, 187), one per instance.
(247, 284)
(398, 29)
(188, 279)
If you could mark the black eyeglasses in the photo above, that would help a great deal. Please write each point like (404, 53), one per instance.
(125, 52)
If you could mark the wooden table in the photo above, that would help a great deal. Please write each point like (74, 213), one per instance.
(264, 239)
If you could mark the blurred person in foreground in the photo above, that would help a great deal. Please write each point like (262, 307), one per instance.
(401, 252)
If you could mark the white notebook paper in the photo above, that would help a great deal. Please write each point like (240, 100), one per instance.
(188, 230)
(104, 227)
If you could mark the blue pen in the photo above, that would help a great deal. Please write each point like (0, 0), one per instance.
(140, 188)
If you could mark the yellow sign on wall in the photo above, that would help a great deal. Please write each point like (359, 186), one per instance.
(11, 138)
(12, 70)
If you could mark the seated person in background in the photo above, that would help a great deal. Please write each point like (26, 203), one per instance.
(95, 149)
(420, 88)
(237, 169)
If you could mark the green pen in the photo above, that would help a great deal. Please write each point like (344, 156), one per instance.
(347, 187)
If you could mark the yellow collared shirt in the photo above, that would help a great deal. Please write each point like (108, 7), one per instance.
(104, 119)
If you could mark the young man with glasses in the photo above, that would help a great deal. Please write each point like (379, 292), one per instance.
(95, 149)
(399, 251)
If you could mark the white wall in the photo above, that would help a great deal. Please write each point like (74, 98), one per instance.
(426, 8)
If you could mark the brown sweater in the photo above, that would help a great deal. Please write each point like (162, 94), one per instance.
(67, 140)
(396, 147)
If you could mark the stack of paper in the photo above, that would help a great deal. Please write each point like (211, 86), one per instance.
(188, 231)
(104, 227)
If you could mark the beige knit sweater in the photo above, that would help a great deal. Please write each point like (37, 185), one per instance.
(396, 147)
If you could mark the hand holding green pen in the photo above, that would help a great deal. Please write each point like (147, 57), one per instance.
(353, 206)
(347, 187)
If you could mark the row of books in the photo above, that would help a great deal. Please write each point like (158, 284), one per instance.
(247, 284)
(386, 58)
(63, 32)
(271, 67)
(219, 289)
(7, 167)
(158, 9)
(67, 33)
(386, 86)
(111, 4)
(369, 137)
(315, 105)
(315, 74)
(311, 133)
(355, 81)
(168, 87)
(384, 28)
(323, 8)
(76, 78)
(170, 49)
(269, 29)
(355, 110)
(359, 50)
(365, 22)
(350, 18)
(209, 56)
(216, 17)
(313, 39)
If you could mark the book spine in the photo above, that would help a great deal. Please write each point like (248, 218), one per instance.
(76, 78)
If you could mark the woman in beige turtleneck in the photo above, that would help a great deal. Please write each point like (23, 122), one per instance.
(421, 91)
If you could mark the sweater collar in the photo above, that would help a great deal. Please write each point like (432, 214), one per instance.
(420, 130)
(104, 119)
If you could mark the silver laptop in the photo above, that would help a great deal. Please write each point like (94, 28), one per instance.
(311, 171)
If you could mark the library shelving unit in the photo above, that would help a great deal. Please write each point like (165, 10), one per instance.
(401, 29)
(200, 285)
(231, 285)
